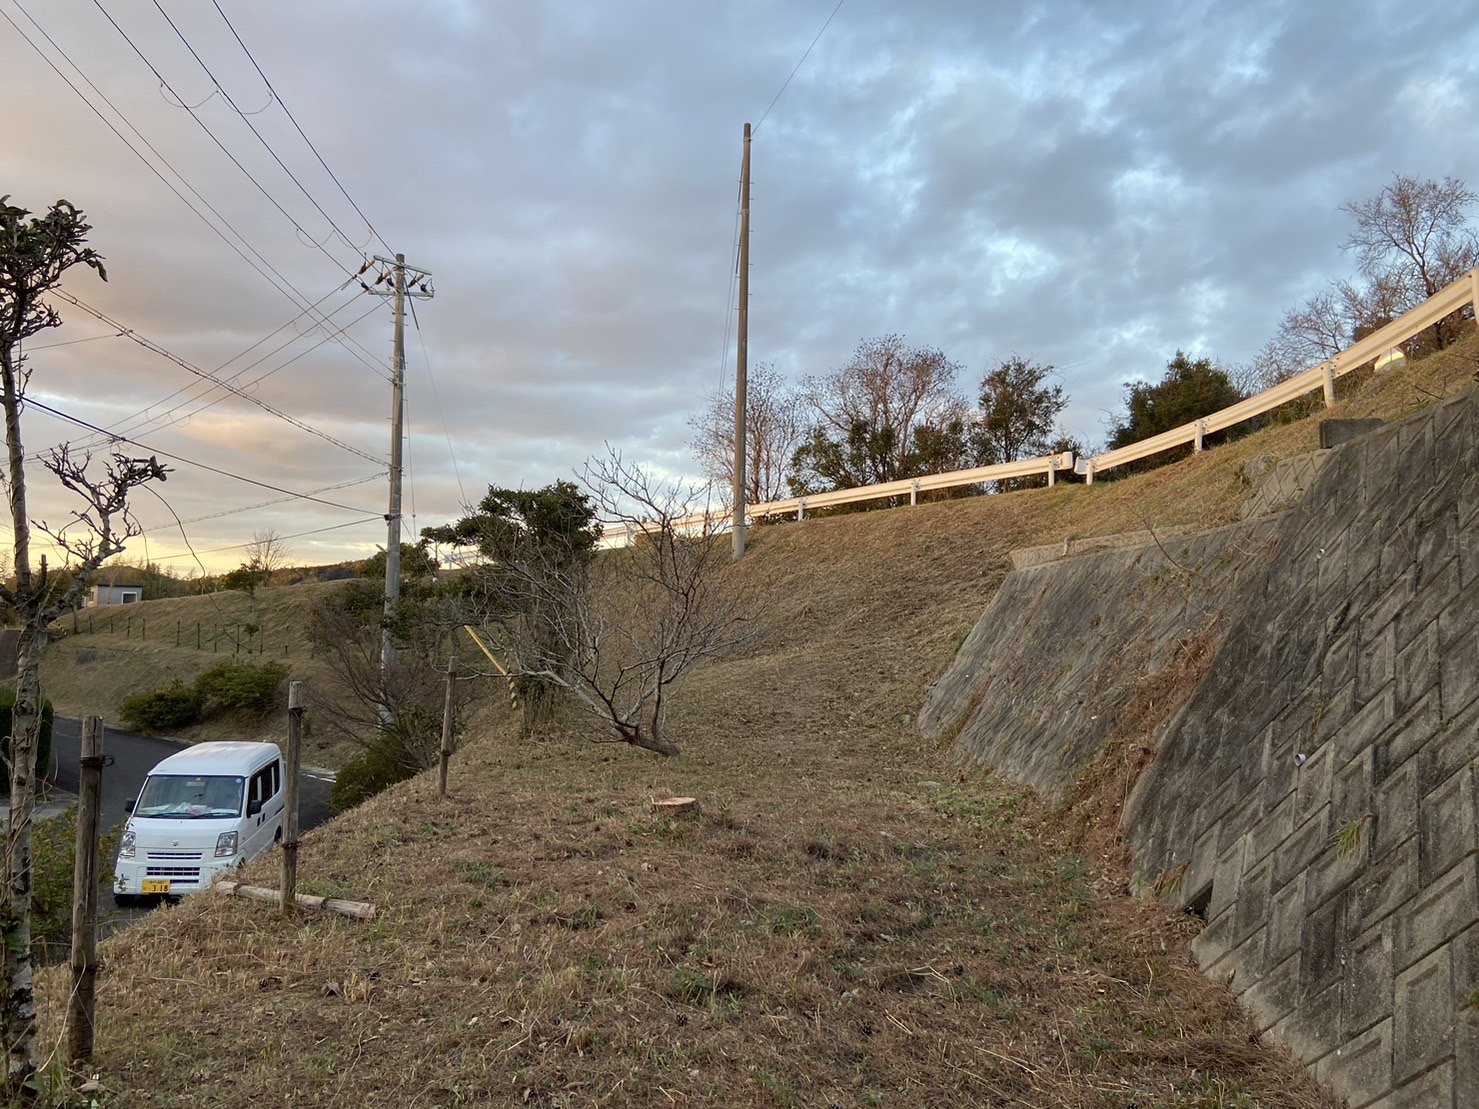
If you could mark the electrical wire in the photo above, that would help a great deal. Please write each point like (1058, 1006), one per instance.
(437, 400)
(253, 127)
(283, 104)
(261, 265)
(33, 403)
(799, 64)
(223, 384)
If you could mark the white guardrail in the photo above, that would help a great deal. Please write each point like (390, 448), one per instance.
(1442, 304)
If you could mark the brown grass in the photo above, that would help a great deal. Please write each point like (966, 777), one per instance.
(845, 921)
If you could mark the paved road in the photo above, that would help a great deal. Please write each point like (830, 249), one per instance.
(133, 757)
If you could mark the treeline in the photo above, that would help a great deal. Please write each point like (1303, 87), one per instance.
(894, 410)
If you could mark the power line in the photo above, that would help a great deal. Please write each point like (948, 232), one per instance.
(213, 137)
(219, 382)
(190, 461)
(799, 64)
(281, 284)
(242, 546)
(284, 105)
(437, 400)
(253, 127)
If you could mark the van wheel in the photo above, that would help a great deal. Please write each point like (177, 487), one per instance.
(277, 835)
(125, 900)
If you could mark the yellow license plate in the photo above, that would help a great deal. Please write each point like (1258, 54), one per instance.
(155, 885)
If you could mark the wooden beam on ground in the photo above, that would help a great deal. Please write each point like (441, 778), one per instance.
(360, 910)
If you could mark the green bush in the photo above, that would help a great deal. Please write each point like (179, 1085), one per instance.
(162, 710)
(377, 768)
(53, 864)
(43, 743)
(242, 685)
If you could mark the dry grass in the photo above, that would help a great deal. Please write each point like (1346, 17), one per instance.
(846, 921)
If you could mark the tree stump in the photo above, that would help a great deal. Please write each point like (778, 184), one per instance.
(675, 806)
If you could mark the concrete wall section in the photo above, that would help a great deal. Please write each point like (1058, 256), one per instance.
(1320, 788)
(1036, 688)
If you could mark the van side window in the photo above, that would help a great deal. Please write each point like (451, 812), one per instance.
(266, 782)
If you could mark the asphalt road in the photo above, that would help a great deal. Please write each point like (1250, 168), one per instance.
(133, 756)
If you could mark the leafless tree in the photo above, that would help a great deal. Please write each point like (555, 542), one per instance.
(1411, 240)
(888, 390)
(268, 551)
(617, 631)
(774, 424)
(34, 254)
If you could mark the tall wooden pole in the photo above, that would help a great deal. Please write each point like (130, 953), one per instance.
(393, 516)
(82, 1002)
(449, 704)
(289, 884)
(741, 370)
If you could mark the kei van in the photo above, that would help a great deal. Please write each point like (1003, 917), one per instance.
(206, 809)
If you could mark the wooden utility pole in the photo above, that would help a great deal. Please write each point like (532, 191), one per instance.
(449, 704)
(741, 370)
(289, 884)
(82, 1002)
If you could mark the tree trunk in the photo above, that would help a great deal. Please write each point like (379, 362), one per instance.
(18, 1016)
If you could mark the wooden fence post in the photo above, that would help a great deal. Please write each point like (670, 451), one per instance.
(81, 1003)
(288, 887)
(448, 704)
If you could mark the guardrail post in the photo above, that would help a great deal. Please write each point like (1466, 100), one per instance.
(1052, 470)
(1474, 291)
(1089, 473)
(801, 508)
(914, 493)
(1328, 369)
(1201, 430)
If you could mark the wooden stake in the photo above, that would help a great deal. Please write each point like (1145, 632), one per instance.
(448, 704)
(287, 900)
(82, 1002)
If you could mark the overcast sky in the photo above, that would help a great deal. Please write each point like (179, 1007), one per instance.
(1091, 185)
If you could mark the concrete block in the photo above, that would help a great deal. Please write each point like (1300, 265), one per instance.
(1422, 1015)
(1451, 748)
(1466, 1053)
(1361, 1068)
(1274, 995)
(1377, 665)
(1366, 725)
(1381, 611)
(1302, 848)
(1442, 910)
(1252, 908)
(1396, 806)
(1333, 870)
(1352, 791)
(1383, 887)
(1458, 673)
(1336, 706)
(1449, 818)
(1417, 665)
(1433, 1089)
(1468, 537)
(1335, 433)
(1366, 987)
(1272, 829)
(1312, 1030)
(1227, 878)
(1338, 663)
(1213, 943)
(1285, 921)
(1437, 536)
(1312, 787)
(1410, 734)
(1323, 946)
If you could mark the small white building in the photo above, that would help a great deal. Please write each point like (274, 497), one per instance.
(115, 595)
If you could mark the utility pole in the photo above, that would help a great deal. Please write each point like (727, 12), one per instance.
(400, 286)
(741, 369)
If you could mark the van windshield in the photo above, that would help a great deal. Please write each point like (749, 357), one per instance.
(190, 797)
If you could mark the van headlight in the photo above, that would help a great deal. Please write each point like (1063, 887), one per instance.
(126, 845)
(226, 845)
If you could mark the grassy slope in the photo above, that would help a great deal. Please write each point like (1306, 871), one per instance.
(847, 921)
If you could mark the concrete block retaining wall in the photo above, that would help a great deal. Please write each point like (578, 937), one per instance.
(1317, 798)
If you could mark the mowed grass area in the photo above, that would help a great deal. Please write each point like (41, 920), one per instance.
(847, 920)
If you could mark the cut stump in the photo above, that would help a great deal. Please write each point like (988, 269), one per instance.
(675, 806)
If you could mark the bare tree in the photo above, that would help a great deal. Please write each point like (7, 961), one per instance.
(1410, 241)
(34, 254)
(774, 425)
(268, 551)
(890, 412)
(617, 631)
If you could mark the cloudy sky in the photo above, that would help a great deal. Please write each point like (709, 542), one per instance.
(1091, 185)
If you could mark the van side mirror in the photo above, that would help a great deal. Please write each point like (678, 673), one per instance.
(254, 807)
(128, 806)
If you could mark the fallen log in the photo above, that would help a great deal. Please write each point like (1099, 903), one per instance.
(360, 910)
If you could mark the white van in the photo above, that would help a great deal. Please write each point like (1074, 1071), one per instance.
(209, 808)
